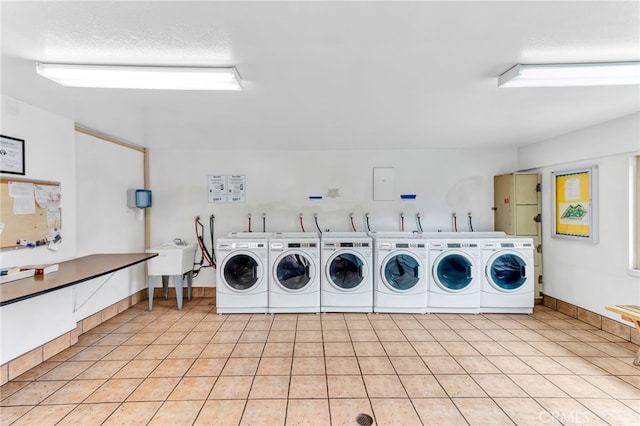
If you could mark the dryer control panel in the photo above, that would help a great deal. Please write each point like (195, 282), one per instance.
(345, 244)
(391, 246)
(282, 246)
(241, 245)
(501, 245)
(443, 246)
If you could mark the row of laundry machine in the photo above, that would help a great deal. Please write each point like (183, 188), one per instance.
(378, 272)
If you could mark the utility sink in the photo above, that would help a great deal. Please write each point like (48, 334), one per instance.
(173, 260)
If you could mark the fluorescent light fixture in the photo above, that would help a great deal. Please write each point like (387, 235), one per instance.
(142, 77)
(562, 75)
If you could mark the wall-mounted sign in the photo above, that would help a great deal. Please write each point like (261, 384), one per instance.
(227, 188)
(11, 155)
(574, 203)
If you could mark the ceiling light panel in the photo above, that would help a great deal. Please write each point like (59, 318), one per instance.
(565, 75)
(142, 77)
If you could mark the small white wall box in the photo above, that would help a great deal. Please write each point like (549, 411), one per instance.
(383, 185)
(139, 198)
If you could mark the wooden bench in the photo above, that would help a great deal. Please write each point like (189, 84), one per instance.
(629, 313)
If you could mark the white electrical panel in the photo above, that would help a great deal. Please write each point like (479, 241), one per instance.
(383, 183)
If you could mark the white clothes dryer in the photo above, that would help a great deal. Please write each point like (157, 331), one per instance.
(402, 273)
(242, 282)
(294, 265)
(508, 280)
(456, 277)
(347, 280)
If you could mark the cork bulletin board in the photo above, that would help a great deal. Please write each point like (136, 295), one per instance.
(575, 204)
(17, 223)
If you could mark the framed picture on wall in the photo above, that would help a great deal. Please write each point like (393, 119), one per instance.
(575, 204)
(11, 155)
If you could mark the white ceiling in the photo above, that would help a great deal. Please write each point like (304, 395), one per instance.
(327, 75)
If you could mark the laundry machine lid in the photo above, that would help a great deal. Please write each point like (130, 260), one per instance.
(506, 271)
(346, 270)
(241, 271)
(293, 270)
(453, 271)
(401, 271)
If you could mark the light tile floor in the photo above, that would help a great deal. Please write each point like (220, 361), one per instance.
(170, 367)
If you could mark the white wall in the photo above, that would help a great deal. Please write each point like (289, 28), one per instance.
(105, 171)
(591, 276)
(49, 155)
(280, 182)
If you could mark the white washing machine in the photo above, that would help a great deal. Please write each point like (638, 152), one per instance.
(242, 281)
(294, 265)
(347, 281)
(402, 272)
(508, 279)
(456, 276)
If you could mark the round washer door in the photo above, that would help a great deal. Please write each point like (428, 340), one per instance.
(453, 271)
(400, 271)
(346, 270)
(293, 270)
(242, 271)
(506, 271)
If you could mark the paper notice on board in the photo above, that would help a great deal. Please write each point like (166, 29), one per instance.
(53, 217)
(20, 189)
(237, 188)
(572, 189)
(227, 188)
(23, 198)
(48, 196)
(217, 185)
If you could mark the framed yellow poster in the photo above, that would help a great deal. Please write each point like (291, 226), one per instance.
(574, 204)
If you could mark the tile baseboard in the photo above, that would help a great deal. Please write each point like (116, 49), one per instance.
(33, 358)
(206, 292)
(616, 328)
